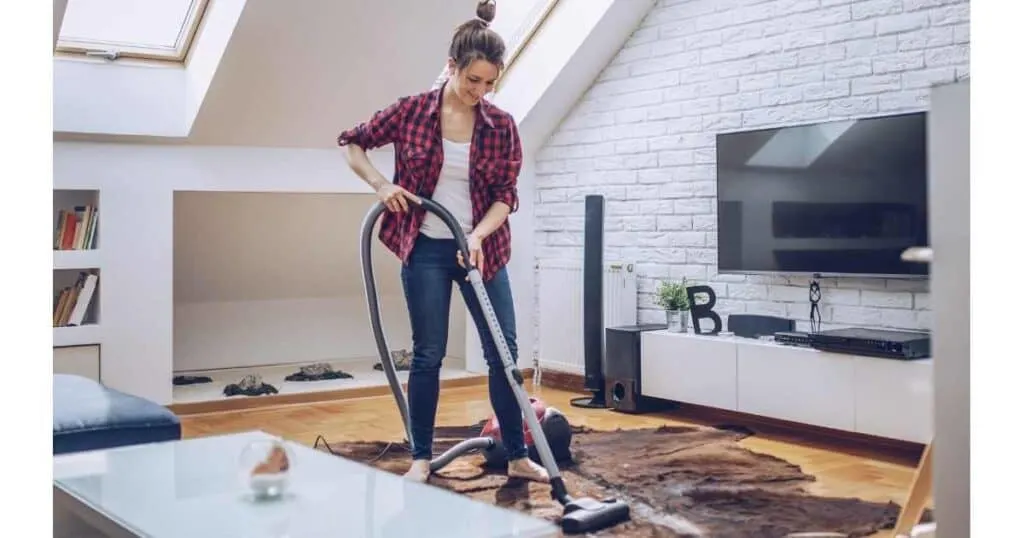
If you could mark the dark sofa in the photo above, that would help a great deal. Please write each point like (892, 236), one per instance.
(90, 416)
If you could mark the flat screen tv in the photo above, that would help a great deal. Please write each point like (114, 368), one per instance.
(834, 198)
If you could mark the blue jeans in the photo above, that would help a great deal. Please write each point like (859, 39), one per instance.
(427, 280)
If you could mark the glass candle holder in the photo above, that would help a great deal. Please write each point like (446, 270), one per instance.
(264, 469)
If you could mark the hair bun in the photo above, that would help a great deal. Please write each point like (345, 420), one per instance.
(485, 10)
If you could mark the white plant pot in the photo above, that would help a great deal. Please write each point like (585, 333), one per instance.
(677, 320)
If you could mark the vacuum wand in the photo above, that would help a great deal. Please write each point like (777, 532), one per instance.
(370, 288)
(580, 515)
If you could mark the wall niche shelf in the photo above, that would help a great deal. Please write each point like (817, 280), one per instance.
(82, 335)
(77, 266)
(76, 259)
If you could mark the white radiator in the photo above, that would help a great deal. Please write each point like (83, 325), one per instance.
(560, 300)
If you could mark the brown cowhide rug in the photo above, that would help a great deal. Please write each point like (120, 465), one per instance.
(673, 478)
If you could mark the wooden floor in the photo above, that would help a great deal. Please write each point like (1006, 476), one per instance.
(841, 473)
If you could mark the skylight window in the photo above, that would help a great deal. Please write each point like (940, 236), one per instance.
(516, 21)
(149, 29)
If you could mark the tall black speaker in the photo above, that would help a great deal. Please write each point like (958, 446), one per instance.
(593, 303)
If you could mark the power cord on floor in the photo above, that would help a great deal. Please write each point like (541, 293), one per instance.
(320, 439)
(815, 296)
(387, 448)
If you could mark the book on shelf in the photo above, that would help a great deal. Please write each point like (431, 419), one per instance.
(71, 303)
(76, 228)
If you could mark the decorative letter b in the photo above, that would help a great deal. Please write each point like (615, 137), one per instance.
(703, 310)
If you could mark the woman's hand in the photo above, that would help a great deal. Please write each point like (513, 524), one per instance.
(476, 252)
(395, 198)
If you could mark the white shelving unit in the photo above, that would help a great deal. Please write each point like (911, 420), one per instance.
(77, 336)
(868, 395)
(76, 259)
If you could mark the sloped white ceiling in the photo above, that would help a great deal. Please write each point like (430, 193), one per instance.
(295, 73)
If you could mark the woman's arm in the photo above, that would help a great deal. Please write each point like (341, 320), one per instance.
(505, 189)
(495, 217)
(504, 192)
(382, 128)
(393, 196)
(361, 165)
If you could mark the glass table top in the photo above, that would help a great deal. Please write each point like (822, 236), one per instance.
(194, 488)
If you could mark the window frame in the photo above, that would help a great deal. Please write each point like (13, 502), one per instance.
(527, 37)
(113, 50)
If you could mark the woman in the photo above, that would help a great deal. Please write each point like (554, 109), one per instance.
(463, 152)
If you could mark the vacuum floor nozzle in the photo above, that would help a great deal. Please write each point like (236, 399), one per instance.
(585, 515)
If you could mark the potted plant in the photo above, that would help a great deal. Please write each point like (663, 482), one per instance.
(672, 297)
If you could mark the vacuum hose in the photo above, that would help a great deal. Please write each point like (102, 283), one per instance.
(370, 288)
(373, 304)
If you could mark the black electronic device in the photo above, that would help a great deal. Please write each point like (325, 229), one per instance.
(757, 325)
(884, 343)
(622, 366)
(842, 197)
(593, 303)
(793, 338)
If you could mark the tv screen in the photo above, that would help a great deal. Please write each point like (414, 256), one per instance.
(835, 198)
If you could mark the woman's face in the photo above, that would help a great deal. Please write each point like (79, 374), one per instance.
(474, 82)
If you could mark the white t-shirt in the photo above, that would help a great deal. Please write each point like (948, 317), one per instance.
(452, 192)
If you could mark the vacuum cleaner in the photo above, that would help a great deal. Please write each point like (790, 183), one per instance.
(580, 515)
(553, 423)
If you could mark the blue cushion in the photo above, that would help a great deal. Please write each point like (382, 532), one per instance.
(90, 416)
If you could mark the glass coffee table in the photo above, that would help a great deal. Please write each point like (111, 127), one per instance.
(193, 488)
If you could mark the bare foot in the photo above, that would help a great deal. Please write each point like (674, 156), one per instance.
(527, 469)
(419, 471)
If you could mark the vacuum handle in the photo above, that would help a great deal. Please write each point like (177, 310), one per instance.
(452, 223)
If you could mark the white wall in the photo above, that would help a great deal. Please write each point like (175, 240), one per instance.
(644, 134)
(137, 186)
(271, 278)
(951, 220)
(563, 58)
(147, 334)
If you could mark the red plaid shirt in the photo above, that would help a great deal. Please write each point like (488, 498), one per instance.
(413, 125)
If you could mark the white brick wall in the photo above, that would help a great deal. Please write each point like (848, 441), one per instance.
(643, 135)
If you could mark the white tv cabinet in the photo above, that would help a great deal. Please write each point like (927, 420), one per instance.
(867, 395)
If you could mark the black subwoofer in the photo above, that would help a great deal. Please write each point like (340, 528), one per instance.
(622, 369)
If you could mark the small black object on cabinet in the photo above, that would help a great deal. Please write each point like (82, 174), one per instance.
(622, 367)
